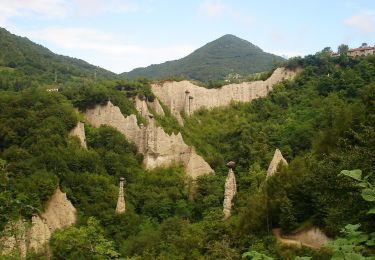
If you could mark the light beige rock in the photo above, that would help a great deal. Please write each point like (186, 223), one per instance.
(312, 237)
(79, 131)
(39, 234)
(159, 148)
(120, 207)
(141, 107)
(276, 160)
(59, 213)
(185, 97)
(14, 239)
(155, 105)
(229, 193)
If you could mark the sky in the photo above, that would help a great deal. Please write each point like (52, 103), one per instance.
(120, 35)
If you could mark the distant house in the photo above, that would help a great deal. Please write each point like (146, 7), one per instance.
(361, 51)
(53, 90)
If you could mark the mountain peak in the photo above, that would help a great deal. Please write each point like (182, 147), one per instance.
(213, 61)
(229, 36)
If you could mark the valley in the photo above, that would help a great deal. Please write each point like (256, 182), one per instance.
(108, 166)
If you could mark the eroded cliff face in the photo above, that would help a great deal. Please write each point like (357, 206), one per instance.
(276, 160)
(79, 131)
(185, 97)
(14, 239)
(159, 148)
(59, 213)
(155, 105)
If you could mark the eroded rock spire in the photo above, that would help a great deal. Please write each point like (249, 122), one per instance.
(276, 160)
(230, 190)
(120, 208)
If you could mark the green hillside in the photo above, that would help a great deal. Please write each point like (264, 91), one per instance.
(323, 122)
(24, 63)
(213, 61)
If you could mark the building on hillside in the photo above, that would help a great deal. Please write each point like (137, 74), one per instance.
(53, 90)
(361, 51)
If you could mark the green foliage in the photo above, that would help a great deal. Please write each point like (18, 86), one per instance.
(85, 242)
(34, 126)
(367, 189)
(343, 49)
(322, 122)
(221, 57)
(88, 95)
(287, 220)
(168, 121)
(321, 129)
(254, 255)
(352, 245)
(24, 64)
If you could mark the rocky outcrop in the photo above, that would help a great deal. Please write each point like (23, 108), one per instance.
(276, 160)
(59, 213)
(141, 106)
(159, 148)
(79, 131)
(155, 105)
(312, 237)
(230, 191)
(185, 97)
(120, 207)
(14, 239)
(39, 234)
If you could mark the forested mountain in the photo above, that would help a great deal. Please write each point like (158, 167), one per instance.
(323, 122)
(214, 61)
(24, 63)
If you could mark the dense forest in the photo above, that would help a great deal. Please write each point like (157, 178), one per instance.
(24, 64)
(323, 122)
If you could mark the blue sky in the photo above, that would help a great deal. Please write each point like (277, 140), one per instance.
(120, 35)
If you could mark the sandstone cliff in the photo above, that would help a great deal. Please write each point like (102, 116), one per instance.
(141, 106)
(79, 131)
(185, 97)
(155, 105)
(59, 213)
(159, 148)
(276, 160)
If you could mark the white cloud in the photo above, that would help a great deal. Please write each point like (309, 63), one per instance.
(216, 9)
(287, 53)
(41, 8)
(277, 36)
(105, 49)
(241, 18)
(363, 23)
(92, 7)
(212, 8)
(47, 9)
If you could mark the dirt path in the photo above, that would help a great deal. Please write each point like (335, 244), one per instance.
(312, 238)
